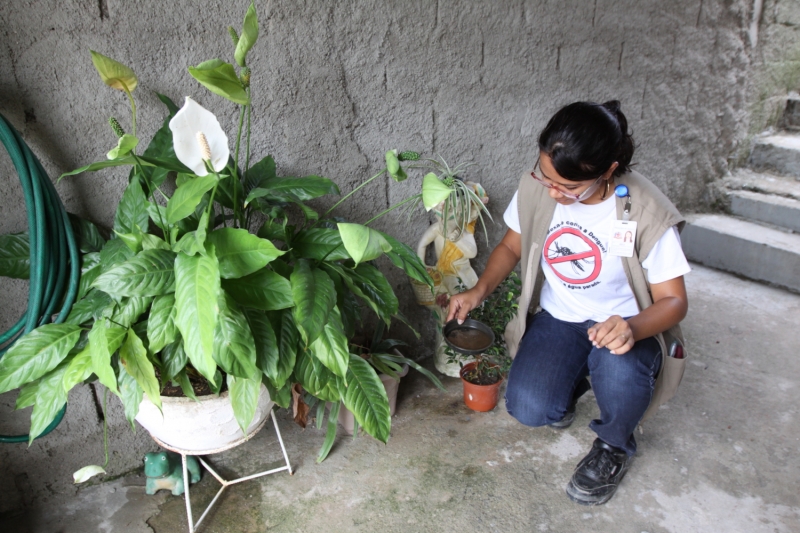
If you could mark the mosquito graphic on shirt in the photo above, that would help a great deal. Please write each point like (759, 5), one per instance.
(563, 251)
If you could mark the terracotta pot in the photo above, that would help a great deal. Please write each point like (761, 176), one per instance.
(346, 418)
(208, 424)
(480, 397)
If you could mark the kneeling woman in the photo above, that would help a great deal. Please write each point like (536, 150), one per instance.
(607, 287)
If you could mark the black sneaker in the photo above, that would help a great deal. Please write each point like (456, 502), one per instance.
(598, 475)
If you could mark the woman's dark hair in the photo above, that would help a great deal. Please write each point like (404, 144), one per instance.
(583, 140)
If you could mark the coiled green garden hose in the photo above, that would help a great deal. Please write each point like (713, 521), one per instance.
(54, 261)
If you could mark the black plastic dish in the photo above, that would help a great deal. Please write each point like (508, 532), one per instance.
(469, 323)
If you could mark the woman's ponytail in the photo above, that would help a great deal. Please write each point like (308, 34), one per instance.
(626, 146)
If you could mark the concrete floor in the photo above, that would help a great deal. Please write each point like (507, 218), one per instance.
(720, 457)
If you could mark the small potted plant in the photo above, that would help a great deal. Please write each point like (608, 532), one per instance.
(391, 365)
(483, 377)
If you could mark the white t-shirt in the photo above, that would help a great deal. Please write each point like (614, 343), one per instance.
(583, 281)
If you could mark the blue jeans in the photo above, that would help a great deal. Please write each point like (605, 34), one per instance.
(552, 363)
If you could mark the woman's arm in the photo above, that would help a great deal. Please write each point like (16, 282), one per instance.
(669, 307)
(501, 262)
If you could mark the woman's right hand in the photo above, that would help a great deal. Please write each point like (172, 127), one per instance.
(461, 304)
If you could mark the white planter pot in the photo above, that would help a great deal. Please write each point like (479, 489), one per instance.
(199, 426)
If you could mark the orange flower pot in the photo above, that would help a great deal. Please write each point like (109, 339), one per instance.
(480, 398)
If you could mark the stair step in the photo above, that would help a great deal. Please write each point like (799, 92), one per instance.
(744, 248)
(768, 208)
(778, 153)
(749, 180)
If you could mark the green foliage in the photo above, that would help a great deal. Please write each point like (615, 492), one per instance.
(234, 277)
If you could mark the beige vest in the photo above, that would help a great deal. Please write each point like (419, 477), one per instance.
(653, 212)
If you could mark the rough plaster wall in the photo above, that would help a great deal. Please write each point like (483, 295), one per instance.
(335, 84)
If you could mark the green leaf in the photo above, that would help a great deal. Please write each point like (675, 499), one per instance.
(78, 370)
(248, 37)
(132, 209)
(220, 78)
(234, 348)
(113, 253)
(166, 162)
(403, 257)
(319, 244)
(226, 193)
(151, 242)
(27, 395)
(314, 296)
(434, 191)
(259, 174)
(282, 397)
(113, 73)
(196, 293)
(169, 103)
(88, 235)
(293, 189)
(50, 399)
(99, 165)
(130, 393)
(36, 354)
(393, 167)
(101, 355)
(161, 147)
(330, 434)
(89, 307)
(161, 329)
(125, 145)
(263, 290)
(186, 385)
(187, 196)
(371, 286)
(132, 240)
(244, 399)
(174, 360)
(268, 354)
(128, 311)
(15, 256)
(81, 365)
(240, 252)
(316, 378)
(90, 269)
(133, 357)
(365, 396)
(194, 242)
(288, 343)
(363, 243)
(331, 345)
(149, 273)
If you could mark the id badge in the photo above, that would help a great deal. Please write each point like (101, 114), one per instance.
(623, 236)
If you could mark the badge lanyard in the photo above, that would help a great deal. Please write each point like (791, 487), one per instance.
(623, 233)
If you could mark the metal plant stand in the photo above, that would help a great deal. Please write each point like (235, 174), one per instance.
(225, 483)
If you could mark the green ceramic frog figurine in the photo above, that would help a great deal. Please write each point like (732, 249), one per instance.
(163, 471)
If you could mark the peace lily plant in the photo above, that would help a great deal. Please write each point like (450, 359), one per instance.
(190, 288)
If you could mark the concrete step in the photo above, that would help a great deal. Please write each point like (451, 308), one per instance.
(779, 153)
(767, 208)
(750, 180)
(744, 248)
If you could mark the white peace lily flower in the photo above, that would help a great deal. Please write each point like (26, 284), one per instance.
(190, 126)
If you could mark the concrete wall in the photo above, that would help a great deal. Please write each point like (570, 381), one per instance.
(337, 83)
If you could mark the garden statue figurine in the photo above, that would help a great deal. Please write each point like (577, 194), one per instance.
(163, 470)
(453, 273)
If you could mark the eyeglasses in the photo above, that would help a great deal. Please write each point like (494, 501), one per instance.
(579, 197)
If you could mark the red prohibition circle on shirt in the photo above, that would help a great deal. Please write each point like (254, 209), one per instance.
(578, 259)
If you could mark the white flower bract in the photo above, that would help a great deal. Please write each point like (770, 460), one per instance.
(185, 125)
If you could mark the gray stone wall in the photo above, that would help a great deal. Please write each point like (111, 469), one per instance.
(337, 83)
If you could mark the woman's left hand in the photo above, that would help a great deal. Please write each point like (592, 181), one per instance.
(614, 334)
